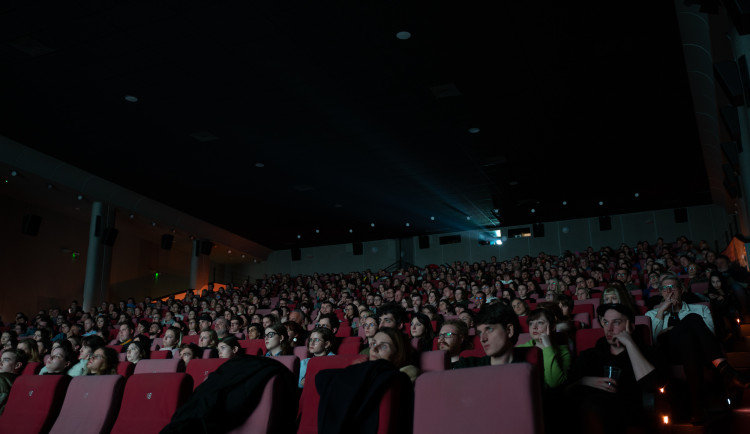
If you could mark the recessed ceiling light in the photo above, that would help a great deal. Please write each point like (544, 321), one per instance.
(407, 225)
(636, 195)
(351, 231)
(432, 218)
(260, 165)
(473, 130)
(372, 225)
(565, 202)
(533, 210)
(131, 98)
(403, 35)
(80, 197)
(601, 203)
(513, 183)
(317, 231)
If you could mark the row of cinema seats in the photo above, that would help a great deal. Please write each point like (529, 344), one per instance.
(143, 402)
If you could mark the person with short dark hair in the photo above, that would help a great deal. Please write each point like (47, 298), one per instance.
(454, 338)
(601, 403)
(321, 343)
(498, 328)
(137, 351)
(555, 355)
(61, 359)
(125, 335)
(12, 362)
(392, 315)
(104, 361)
(329, 320)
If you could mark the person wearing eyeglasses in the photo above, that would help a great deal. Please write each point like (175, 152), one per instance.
(277, 341)
(320, 344)
(601, 403)
(685, 332)
(370, 327)
(453, 338)
(330, 321)
(103, 362)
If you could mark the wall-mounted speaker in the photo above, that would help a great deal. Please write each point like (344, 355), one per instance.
(296, 254)
(424, 241)
(166, 241)
(206, 247)
(109, 236)
(357, 248)
(538, 230)
(605, 223)
(31, 223)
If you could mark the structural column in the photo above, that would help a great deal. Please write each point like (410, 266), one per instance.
(98, 256)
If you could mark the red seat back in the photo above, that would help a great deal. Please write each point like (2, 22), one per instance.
(32, 368)
(152, 366)
(34, 403)
(91, 404)
(125, 368)
(586, 338)
(254, 347)
(309, 399)
(199, 369)
(161, 354)
(190, 339)
(150, 400)
(436, 408)
(436, 360)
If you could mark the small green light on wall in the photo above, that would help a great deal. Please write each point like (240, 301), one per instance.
(156, 275)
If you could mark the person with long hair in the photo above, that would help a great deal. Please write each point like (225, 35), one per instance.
(421, 330)
(391, 345)
(277, 341)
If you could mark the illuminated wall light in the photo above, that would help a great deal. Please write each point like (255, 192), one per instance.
(498, 233)
(665, 419)
(499, 242)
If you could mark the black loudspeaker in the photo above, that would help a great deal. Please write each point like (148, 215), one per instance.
(296, 254)
(728, 74)
(31, 223)
(680, 215)
(424, 241)
(166, 241)
(206, 247)
(605, 223)
(357, 248)
(538, 230)
(109, 236)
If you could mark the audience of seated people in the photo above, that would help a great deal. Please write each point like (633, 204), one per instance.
(403, 313)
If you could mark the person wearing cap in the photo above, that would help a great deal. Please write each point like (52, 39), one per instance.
(204, 322)
(606, 404)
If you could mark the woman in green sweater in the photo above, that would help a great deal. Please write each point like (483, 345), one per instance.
(556, 357)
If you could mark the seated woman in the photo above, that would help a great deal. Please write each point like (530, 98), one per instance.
(725, 307)
(136, 351)
(421, 329)
(103, 362)
(296, 333)
(88, 345)
(277, 341)
(320, 344)
(565, 321)
(29, 346)
(616, 292)
(229, 347)
(9, 340)
(392, 345)
(556, 356)
(171, 341)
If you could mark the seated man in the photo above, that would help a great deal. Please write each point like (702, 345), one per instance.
(330, 321)
(612, 404)
(392, 315)
(60, 360)
(453, 338)
(208, 340)
(125, 335)
(498, 328)
(12, 363)
(685, 333)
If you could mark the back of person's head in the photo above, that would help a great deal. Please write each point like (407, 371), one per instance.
(111, 360)
(93, 342)
(499, 314)
(29, 346)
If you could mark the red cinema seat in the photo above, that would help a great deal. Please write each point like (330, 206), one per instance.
(152, 366)
(254, 347)
(436, 408)
(190, 339)
(199, 369)
(436, 360)
(156, 354)
(150, 400)
(586, 338)
(32, 368)
(91, 405)
(34, 403)
(309, 399)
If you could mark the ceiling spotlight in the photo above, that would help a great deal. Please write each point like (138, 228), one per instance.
(601, 203)
(299, 236)
(317, 231)
(260, 165)
(403, 35)
(79, 197)
(533, 210)
(636, 195)
(473, 130)
(372, 225)
(131, 98)
(565, 202)
(13, 173)
(153, 224)
(432, 218)
(407, 225)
